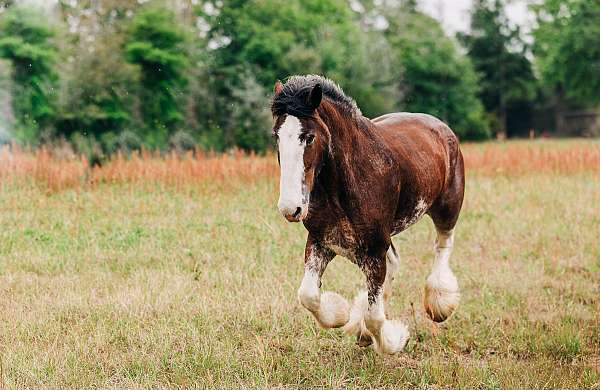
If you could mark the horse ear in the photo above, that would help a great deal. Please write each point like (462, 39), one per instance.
(278, 87)
(316, 94)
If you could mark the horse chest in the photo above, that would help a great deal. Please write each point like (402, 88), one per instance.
(344, 252)
(342, 241)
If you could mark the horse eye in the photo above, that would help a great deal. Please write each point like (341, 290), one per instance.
(310, 139)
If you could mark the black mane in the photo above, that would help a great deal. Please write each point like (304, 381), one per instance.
(293, 98)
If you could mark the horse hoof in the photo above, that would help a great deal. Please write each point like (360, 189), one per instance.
(441, 296)
(363, 340)
(394, 337)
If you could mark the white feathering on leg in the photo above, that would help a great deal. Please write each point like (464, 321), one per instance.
(393, 337)
(356, 323)
(308, 293)
(442, 294)
(333, 311)
(389, 336)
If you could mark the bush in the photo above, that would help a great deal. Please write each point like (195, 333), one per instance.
(26, 41)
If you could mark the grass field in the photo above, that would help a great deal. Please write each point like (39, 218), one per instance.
(179, 272)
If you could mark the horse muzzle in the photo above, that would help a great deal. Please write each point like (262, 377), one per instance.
(292, 212)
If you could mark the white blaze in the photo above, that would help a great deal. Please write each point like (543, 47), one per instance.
(291, 158)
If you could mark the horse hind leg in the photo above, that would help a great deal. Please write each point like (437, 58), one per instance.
(392, 266)
(442, 294)
(356, 323)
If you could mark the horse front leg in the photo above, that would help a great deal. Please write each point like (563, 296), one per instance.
(389, 336)
(356, 323)
(329, 309)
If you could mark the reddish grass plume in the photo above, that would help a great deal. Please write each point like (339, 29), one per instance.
(56, 170)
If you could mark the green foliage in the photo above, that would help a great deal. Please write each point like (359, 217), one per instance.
(98, 85)
(259, 42)
(251, 111)
(498, 54)
(97, 99)
(131, 74)
(26, 41)
(154, 43)
(567, 47)
(437, 80)
(263, 33)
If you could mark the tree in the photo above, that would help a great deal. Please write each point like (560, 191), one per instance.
(567, 48)
(253, 43)
(436, 79)
(499, 56)
(154, 43)
(98, 85)
(5, 4)
(26, 41)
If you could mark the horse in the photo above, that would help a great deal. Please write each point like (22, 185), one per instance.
(354, 183)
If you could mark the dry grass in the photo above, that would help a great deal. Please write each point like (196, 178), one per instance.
(526, 157)
(149, 273)
(58, 171)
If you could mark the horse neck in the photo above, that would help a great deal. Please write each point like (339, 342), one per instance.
(355, 146)
(349, 132)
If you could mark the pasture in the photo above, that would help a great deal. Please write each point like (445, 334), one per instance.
(158, 272)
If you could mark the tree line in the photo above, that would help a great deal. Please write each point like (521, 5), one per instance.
(122, 74)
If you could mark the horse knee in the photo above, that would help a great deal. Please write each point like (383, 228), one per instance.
(392, 261)
(392, 267)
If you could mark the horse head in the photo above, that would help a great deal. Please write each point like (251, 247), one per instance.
(302, 142)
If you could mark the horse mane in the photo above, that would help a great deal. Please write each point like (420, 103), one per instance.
(293, 98)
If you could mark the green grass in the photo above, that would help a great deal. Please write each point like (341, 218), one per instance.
(148, 286)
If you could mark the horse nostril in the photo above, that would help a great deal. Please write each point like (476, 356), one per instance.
(297, 213)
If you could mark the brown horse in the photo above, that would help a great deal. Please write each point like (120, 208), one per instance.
(355, 182)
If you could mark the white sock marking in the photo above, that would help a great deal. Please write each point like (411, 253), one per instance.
(309, 294)
(441, 290)
(389, 336)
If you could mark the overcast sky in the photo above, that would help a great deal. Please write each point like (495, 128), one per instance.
(454, 14)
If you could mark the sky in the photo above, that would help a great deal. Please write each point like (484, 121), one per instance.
(454, 14)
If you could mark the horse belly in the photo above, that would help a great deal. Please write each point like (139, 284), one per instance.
(410, 215)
